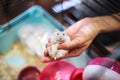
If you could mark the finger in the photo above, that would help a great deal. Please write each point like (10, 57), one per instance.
(73, 44)
(75, 52)
(46, 59)
(48, 40)
(46, 53)
(48, 44)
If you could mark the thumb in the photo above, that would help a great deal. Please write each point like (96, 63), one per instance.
(70, 45)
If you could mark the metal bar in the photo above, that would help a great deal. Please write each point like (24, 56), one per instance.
(99, 49)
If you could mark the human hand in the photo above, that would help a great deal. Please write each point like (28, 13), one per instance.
(82, 34)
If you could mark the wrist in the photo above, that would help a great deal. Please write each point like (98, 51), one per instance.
(106, 23)
(93, 25)
(90, 27)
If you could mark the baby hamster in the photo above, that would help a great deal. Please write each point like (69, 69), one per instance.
(57, 38)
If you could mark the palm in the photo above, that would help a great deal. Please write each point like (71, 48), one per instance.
(82, 34)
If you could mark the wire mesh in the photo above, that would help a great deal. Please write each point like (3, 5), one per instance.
(11, 8)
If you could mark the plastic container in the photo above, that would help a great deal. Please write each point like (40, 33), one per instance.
(35, 16)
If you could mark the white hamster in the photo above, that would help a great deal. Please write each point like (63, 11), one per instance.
(57, 38)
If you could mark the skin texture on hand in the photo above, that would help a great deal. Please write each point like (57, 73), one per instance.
(82, 33)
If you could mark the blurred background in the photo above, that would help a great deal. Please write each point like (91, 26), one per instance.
(26, 25)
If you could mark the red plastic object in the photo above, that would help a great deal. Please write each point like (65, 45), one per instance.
(29, 73)
(77, 74)
(102, 68)
(107, 62)
(57, 70)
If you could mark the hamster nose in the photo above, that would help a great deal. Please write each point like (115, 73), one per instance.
(60, 39)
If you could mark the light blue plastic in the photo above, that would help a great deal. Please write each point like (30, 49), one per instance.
(35, 15)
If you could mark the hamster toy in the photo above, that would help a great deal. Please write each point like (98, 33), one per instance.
(102, 68)
(57, 38)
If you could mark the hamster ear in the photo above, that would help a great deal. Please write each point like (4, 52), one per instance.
(64, 31)
(56, 30)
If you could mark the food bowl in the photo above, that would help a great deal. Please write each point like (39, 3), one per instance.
(29, 73)
(57, 70)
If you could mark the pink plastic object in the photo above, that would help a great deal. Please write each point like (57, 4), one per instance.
(29, 73)
(77, 74)
(57, 70)
(102, 68)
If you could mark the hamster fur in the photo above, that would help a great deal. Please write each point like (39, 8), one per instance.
(57, 38)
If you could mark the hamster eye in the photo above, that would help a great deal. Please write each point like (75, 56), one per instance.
(63, 34)
(57, 33)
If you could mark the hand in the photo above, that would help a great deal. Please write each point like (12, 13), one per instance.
(82, 34)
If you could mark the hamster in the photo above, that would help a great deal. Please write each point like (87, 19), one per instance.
(57, 38)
